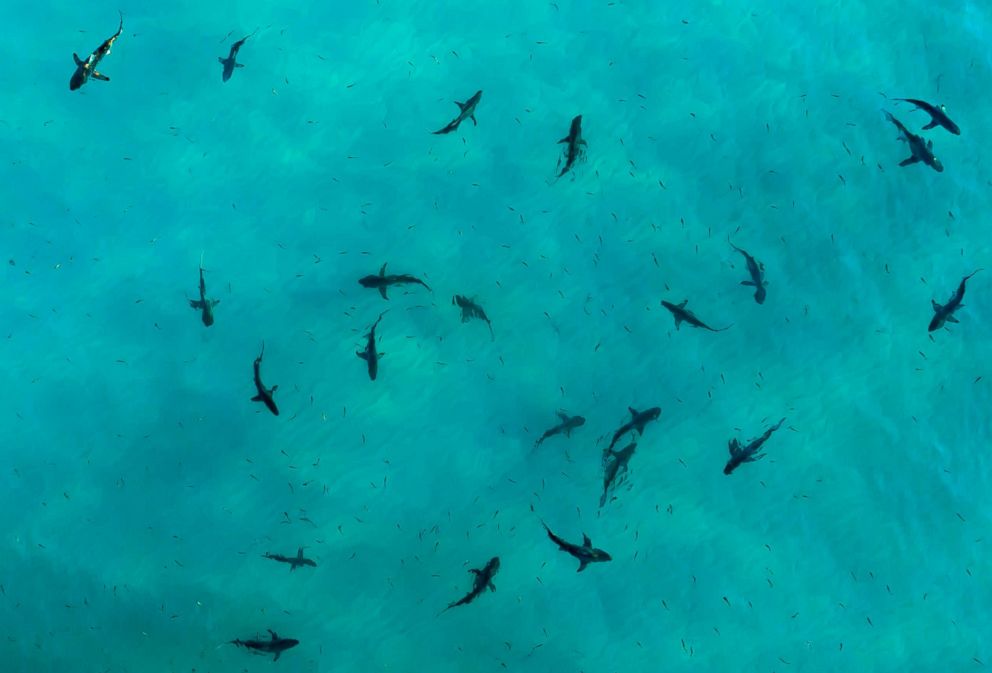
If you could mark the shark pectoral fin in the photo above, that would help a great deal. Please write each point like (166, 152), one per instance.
(220, 59)
(214, 302)
(684, 302)
(909, 161)
(492, 587)
(276, 658)
(929, 144)
(562, 415)
(100, 76)
(194, 303)
(362, 354)
(748, 283)
(461, 106)
(586, 542)
(78, 60)
(273, 389)
(563, 140)
(632, 410)
(678, 322)
(257, 398)
(935, 305)
(582, 565)
(931, 125)
(474, 120)
(239, 65)
(583, 143)
(382, 291)
(475, 571)
(951, 318)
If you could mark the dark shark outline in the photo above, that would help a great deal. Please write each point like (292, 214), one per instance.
(638, 421)
(370, 354)
(381, 282)
(264, 394)
(938, 115)
(483, 580)
(574, 149)
(921, 151)
(204, 305)
(584, 553)
(86, 69)
(294, 562)
(275, 645)
(470, 309)
(684, 315)
(568, 423)
(231, 62)
(466, 111)
(615, 468)
(749, 453)
(945, 313)
(756, 270)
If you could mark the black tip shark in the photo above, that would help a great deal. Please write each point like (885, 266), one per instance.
(684, 315)
(638, 419)
(294, 562)
(756, 270)
(748, 454)
(615, 468)
(585, 554)
(483, 580)
(231, 62)
(467, 111)
(568, 423)
(370, 354)
(945, 313)
(574, 146)
(938, 115)
(86, 69)
(472, 310)
(921, 150)
(203, 305)
(264, 394)
(274, 645)
(381, 282)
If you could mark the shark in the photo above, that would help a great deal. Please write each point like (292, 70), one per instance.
(944, 313)
(584, 553)
(381, 281)
(263, 394)
(370, 354)
(470, 309)
(749, 453)
(274, 645)
(568, 423)
(921, 151)
(938, 115)
(231, 62)
(466, 110)
(638, 420)
(682, 314)
(756, 270)
(574, 145)
(85, 69)
(615, 468)
(294, 562)
(483, 580)
(203, 305)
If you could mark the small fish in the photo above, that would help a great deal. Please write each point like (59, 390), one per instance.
(231, 62)
(755, 269)
(294, 562)
(682, 314)
(264, 394)
(938, 115)
(370, 354)
(382, 281)
(638, 420)
(467, 111)
(921, 150)
(615, 468)
(204, 306)
(472, 310)
(748, 454)
(585, 554)
(275, 645)
(945, 313)
(574, 145)
(568, 423)
(86, 69)
(483, 580)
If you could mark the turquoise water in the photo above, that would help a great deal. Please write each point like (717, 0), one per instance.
(141, 486)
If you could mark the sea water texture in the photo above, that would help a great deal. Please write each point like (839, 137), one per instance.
(142, 487)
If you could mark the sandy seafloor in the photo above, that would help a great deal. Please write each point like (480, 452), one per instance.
(140, 487)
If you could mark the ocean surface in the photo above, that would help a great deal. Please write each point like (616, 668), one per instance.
(142, 488)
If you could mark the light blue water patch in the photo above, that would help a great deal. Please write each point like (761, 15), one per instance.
(142, 486)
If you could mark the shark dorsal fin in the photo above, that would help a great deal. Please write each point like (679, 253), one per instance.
(684, 302)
